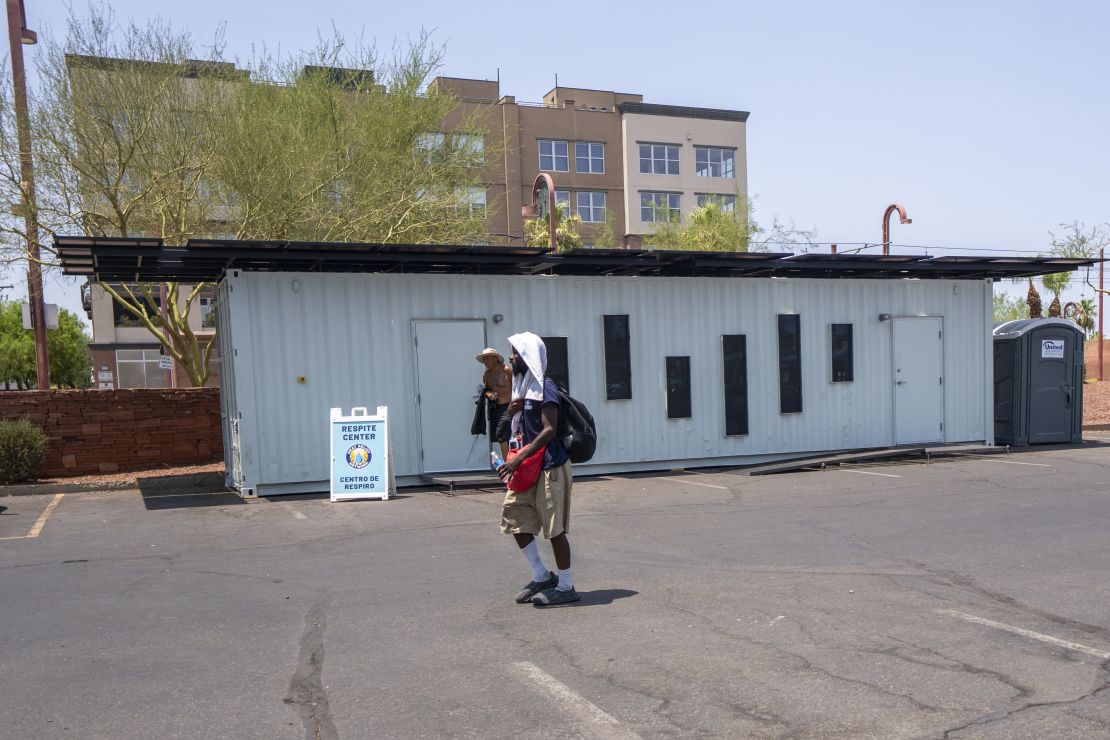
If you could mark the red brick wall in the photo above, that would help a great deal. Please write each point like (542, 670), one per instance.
(1090, 358)
(93, 431)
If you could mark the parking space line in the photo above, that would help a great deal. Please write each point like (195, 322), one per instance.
(36, 528)
(692, 483)
(868, 472)
(1009, 462)
(1073, 646)
(601, 723)
(293, 511)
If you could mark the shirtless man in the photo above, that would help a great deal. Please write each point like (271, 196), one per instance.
(498, 379)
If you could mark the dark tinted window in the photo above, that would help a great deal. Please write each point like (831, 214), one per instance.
(841, 353)
(678, 388)
(790, 363)
(736, 383)
(618, 359)
(557, 367)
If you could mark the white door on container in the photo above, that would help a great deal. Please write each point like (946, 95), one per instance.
(918, 380)
(447, 380)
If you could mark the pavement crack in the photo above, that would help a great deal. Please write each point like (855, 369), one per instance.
(1001, 716)
(306, 689)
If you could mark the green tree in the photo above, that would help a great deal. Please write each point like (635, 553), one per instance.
(1008, 308)
(139, 135)
(1077, 241)
(67, 345)
(713, 227)
(1055, 284)
(1087, 316)
(537, 232)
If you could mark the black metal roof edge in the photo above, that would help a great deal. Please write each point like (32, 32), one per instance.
(682, 111)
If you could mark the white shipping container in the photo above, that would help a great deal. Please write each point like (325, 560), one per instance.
(294, 345)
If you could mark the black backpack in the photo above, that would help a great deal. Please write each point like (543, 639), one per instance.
(576, 428)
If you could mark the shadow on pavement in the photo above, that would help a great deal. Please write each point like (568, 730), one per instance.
(600, 597)
(186, 491)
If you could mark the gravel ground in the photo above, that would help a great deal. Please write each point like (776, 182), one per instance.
(1096, 403)
(130, 477)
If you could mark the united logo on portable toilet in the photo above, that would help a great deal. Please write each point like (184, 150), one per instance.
(360, 461)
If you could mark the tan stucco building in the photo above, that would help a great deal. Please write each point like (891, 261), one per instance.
(611, 156)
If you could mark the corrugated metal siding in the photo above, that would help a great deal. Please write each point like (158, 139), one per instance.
(351, 337)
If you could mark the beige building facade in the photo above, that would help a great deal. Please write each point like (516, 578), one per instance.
(613, 158)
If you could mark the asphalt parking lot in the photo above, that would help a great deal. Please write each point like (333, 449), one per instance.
(961, 598)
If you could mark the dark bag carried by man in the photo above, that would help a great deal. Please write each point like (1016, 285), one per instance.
(576, 428)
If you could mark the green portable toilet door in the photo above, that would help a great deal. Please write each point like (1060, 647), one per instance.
(1051, 394)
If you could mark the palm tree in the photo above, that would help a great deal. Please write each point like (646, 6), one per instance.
(1033, 300)
(1056, 282)
(536, 233)
(1085, 318)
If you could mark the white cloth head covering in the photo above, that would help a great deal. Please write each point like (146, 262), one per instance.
(528, 386)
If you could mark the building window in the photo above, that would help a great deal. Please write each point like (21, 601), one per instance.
(591, 206)
(589, 157)
(557, 367)
(658, 159)
(618, 358)
(562, 196)
(553, 156)
(736, 383)
(678, 388)
(472, 144)
(710, 161)
(123, 318)
(790, 363)
(207, 311)
(726, 203)
(138, 368)
(473, 201)
(842, 365)
(660, 207)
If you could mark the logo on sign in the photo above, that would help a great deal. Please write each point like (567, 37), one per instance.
(1052, 348)
(358, 456)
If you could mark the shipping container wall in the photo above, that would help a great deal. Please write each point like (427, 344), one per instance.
(301, 343)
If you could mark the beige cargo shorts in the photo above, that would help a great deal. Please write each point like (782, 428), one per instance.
(542, 509)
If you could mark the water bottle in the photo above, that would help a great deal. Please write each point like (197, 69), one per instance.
(495, 460)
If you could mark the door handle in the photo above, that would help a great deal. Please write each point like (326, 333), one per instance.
(899, 382)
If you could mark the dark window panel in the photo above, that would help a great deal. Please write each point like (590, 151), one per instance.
(790, 364)
(842, 363)
(618, 358)
(557, 365)
(736, 383)
(678, 388)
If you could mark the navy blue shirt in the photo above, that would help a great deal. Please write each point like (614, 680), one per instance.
(532, 425)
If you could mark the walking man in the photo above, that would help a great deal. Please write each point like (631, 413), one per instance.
(545, 507)
(498, 381)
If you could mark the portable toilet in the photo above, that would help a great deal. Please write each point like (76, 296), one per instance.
(1038, 382)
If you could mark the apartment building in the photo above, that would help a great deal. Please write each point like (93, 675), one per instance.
(610, 154)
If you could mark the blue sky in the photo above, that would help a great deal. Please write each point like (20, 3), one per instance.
(988, 120)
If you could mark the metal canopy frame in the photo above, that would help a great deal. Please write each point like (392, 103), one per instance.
(115, 259)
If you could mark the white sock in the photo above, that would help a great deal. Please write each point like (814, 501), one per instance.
(565, 582)
(539, 570)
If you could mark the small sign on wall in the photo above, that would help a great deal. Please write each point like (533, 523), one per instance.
(165, 362)
(1052, 348)
(361, 464)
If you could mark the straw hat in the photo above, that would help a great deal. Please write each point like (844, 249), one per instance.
(489, 352)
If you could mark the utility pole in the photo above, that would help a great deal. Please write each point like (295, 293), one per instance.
(1101, 293)
(18, 35)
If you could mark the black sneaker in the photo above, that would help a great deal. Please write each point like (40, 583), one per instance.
(534, 587)
(556, 597)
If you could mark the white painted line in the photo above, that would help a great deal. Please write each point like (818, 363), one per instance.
(597, 721)
(1073, 646)
(293, 511)
(693, 483)
(1009, 462)
(867, 472)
